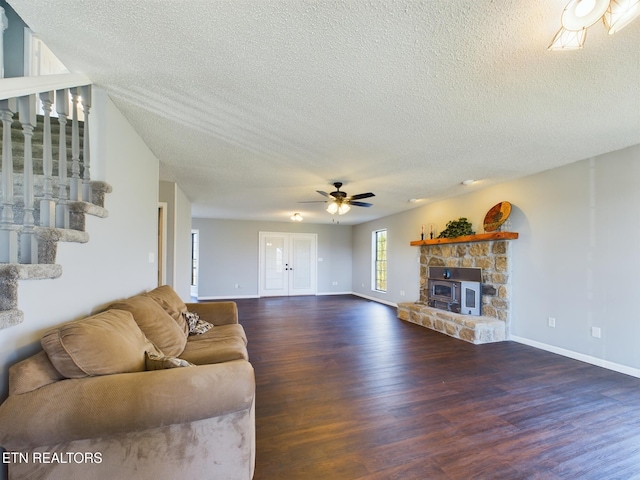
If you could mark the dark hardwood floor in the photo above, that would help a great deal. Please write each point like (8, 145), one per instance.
(345, 390)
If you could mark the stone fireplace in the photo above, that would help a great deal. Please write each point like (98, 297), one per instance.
(491, 253)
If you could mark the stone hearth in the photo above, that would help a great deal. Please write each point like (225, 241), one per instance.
(493, 257)
(473, 329)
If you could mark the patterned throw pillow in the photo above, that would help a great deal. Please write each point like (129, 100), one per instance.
(153, 361)
(196, 326)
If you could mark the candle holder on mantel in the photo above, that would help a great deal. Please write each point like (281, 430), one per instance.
(431, 229)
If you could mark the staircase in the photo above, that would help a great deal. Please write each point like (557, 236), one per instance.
(39, 210)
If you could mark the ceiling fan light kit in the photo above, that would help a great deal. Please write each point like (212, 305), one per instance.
(339, 208)
(620, 14)
(579, 15)
(341, 203)
(568, 40)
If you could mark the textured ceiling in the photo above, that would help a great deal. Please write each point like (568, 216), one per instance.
(252, 106)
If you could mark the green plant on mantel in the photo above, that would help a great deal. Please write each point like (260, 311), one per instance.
(457, 228)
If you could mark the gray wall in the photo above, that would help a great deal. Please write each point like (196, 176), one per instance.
(577, 258)
(229, 256)
(13, 43)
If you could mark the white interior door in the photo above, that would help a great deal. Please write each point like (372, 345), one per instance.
(287, 264)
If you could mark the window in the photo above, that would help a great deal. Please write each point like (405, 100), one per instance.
(379, 260)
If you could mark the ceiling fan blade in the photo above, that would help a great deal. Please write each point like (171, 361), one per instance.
(361, 204)
(323, 193)
(362, 195)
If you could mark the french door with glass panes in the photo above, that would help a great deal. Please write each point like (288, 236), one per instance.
(287, 264)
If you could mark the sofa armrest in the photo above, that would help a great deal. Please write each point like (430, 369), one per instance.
(218, 313)
(75, 409)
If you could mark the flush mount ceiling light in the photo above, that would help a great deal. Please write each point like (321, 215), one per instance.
(296, 217)
(467, 183)
(579, 15)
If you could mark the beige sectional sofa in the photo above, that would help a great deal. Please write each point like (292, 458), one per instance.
(129, 393)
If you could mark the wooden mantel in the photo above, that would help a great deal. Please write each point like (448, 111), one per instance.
(480, 237)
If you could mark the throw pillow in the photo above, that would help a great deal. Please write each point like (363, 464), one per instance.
(196, 326)
(154, 361)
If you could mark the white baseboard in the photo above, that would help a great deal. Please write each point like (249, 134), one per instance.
(234, 297)
(374, 299)
(227, 297)
(616, 367)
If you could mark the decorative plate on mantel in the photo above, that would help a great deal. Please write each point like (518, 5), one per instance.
(496, 216)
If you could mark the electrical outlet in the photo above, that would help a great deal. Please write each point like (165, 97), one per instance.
(551, 321)
(237, 285)
(596, 332)
(334, 283)
(402, 293)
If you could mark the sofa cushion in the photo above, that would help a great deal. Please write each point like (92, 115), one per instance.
(154, 361)
(107, 343)
(171, 302)
(220, 332)
(156, 324)
(211, 351)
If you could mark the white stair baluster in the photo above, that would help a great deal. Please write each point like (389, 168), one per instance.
(47, 204)
(86, 154)
(62, 209)
(74, 182)
(8, 231)
(28, 241)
